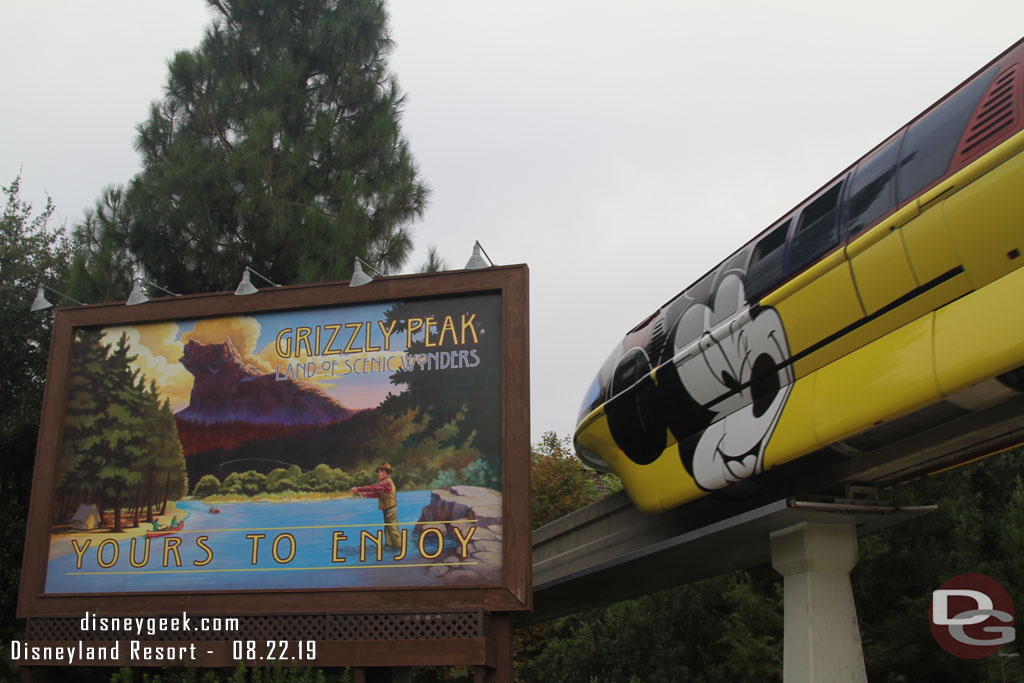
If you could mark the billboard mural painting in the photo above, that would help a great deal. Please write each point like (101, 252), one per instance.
(354, 446)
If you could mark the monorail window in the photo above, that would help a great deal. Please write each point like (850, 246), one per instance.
(735, 263)
(816, 232)
(765, 269)
(929, 144)
(871, 190)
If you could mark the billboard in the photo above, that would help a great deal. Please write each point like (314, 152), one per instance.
(301, 440)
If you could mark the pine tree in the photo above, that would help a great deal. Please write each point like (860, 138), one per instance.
(277, 145)
(102, 268)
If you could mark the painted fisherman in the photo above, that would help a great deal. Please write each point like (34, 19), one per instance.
(384, 491)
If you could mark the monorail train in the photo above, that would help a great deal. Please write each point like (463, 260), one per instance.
(873, 333)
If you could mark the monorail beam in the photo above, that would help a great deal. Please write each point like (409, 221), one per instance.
(609, 551)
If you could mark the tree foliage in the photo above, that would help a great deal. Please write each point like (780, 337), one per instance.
(976, 529)
(32, 253)
(103, 267)
(434, 263)
(724, 629)
(276, 145)
(559, 484)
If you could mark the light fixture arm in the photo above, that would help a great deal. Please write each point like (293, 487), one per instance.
(489, 260)
(375, 271)
(262, 277)
(137, 296)
(153, 284)
(56, 291)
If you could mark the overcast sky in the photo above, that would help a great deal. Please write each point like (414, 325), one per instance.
(621, 149)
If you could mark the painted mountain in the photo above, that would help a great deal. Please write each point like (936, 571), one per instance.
(237, 413)
(228, 390)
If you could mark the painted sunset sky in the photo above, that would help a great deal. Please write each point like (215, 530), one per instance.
(159, 347)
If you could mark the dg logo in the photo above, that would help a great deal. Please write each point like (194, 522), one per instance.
(971, 616)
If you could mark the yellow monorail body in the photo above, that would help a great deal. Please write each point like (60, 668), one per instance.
(887, 304)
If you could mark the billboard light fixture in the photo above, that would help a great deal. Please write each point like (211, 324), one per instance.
(40, 302)
(246, 286)
(138, 296)
(359, 277)
(477, 259)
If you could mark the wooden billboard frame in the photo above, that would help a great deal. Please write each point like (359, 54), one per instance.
(512, 595)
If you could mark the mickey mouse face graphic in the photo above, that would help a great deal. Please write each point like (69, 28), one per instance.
(739, 376)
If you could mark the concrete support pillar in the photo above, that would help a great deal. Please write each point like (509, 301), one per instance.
(822, 639)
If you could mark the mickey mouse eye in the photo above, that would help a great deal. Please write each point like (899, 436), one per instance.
(634, 415)
(764, 383)
(728, 300)
(690, 327)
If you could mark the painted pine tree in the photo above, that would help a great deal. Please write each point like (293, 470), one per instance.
(118, 435)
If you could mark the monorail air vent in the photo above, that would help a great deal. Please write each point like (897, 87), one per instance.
(654, 346)
(997, 116)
